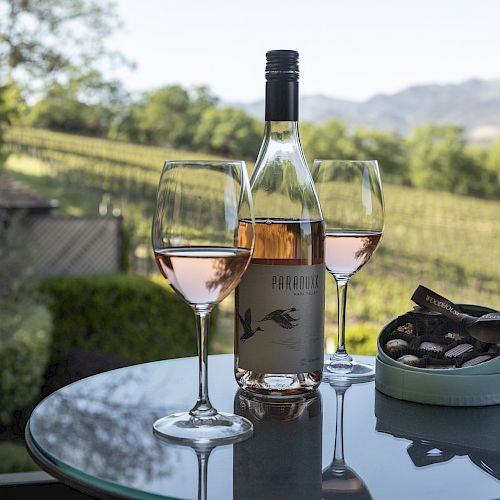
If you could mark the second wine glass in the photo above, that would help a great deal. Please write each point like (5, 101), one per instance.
(350, 194)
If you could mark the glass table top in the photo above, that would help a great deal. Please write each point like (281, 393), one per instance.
(97, 433)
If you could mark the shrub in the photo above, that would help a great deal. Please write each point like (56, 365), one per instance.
(123, 315)
(15, 458)
(24, 354)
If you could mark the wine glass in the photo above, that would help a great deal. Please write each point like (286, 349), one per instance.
(200, 207)
(351, 199)
(338, 479)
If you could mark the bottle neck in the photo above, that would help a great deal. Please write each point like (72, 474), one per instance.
(282, 101)
(282, 131)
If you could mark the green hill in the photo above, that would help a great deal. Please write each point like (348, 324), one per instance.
(445, 241)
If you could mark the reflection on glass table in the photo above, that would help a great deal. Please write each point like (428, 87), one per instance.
(202, 452)
(338, 480)
(96, 436)
(440, 433)
(283, 459)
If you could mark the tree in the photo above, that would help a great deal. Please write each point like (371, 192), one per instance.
(4, 120)
(39, 39)
(490, 158)
(387, 148)
(162, 116)
(85, 104)
(328, 140)
(229, 131)
(438, 160)
(493, 159)
(169, 115)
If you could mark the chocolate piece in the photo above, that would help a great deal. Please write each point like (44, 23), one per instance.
(395, 344)
(494, 349)
(425, 323)
(476, 360)
(409, 359)
(406, 328)
(458, 350)
(455, 336)
(432, 347)
(440, 363)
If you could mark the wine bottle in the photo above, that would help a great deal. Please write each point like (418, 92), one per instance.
(279, 318)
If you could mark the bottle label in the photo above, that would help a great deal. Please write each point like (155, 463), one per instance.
(280, 328)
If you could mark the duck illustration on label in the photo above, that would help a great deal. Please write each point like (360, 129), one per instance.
(282, 318)
(247, 326)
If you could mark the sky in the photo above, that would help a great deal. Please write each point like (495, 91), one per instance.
(351, 49)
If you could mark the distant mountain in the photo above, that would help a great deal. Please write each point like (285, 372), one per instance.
(473, 104)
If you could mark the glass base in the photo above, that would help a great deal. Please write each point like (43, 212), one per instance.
(349, 371)
(222, 428)
(278, 384)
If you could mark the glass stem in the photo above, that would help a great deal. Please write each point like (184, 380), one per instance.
(203, 407)
(202, 473)
(341, 352)
(338, 447)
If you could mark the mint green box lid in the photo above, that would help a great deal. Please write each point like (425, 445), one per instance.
(427, 386)
(477, 385)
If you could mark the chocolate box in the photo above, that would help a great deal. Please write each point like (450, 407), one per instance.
(451, 385)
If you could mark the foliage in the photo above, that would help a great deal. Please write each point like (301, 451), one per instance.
(387, 148)
(87, 104)
(332, 140)
(15, 458)
(493, 162)
(229, 132)
(24, 355)
(129, 316)
(45, 38)
(4, 118)
(439, 160)
(25, 325)
(61, 110)
(328, 140)
(18, 290)
(361, 339)
(167, 116)
(12, 106)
